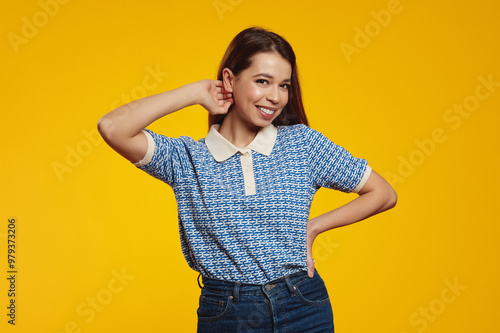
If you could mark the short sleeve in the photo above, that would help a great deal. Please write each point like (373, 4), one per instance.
(332, 166)
(162, 159)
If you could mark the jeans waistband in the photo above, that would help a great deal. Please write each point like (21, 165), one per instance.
(235, 289)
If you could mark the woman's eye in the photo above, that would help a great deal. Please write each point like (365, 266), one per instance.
(285, 85)
(262, 81)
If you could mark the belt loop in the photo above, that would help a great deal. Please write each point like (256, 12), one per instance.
(291, 288)
(199, 284)
(236, 292)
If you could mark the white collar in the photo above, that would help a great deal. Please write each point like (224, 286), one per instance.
(221, 149)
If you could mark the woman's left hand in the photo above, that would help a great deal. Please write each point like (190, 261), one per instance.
(310, 240)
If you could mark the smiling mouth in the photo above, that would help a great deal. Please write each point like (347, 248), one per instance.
(266, 110)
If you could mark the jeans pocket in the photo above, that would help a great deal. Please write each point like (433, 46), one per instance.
(213, 306)
(312, 291)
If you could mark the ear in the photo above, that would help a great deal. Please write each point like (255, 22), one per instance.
(228, 79)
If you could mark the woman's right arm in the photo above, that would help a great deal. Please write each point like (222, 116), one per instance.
(122, 127)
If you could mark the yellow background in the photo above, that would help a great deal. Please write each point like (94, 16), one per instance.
(83, 219)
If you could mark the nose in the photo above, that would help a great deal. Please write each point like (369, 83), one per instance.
(273, 95)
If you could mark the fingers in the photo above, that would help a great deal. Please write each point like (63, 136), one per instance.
(310, 267)
(310, 260)
(222, 106)
(220, 88)
(226, 104)
(225, 101)
(224, 96)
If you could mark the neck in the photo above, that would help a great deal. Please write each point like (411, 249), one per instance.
(237, 132)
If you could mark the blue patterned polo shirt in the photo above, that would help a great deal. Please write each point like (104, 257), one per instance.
(243, 212)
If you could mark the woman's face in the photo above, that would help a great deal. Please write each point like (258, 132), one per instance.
(260, 92)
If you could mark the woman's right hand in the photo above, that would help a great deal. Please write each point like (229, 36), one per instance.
(122, 127)
(215, 99)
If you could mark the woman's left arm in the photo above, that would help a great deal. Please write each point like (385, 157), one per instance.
(376, 196)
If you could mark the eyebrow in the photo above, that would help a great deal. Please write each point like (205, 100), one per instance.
(270, 76)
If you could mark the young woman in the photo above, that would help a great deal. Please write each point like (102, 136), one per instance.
(244, 192)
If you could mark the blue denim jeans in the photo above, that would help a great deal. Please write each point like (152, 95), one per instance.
(292, 304)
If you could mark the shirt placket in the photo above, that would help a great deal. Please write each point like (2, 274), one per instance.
(247, 168)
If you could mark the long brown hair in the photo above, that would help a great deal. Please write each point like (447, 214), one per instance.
(238, 57)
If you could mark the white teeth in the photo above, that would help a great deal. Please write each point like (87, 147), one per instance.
(266, 111)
